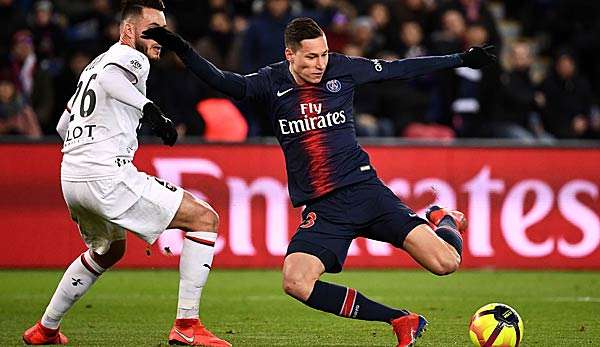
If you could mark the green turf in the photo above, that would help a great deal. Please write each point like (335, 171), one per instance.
(248, 308)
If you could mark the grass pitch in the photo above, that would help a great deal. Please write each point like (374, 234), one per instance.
(248, 308)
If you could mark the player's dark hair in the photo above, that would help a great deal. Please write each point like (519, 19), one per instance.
(301, 29)
(132, 8)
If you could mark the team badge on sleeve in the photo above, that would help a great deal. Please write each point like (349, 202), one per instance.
(135, 64)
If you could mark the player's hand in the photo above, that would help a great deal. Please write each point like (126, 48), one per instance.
(161, 126)
(167, 39)
(478, 57)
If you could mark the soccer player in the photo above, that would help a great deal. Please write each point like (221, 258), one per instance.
(310, 99)
(107, 195)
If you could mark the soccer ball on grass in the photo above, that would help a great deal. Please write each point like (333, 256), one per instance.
(496, 325)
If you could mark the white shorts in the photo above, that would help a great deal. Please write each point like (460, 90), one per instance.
(134, 201)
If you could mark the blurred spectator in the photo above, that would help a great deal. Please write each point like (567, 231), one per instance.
(450, 38)
(31, 80)
(177, 91)
(420, 11)
(520, 102)
(476, 12)
(16, 116)
(86, 29)
(110, 34)
(467, 95)
(411, 40)
(263, 42)
(568, 99)
(365, 38)
(339, 31)
(65, 83)
(48, 36)
(217, 45)
(394, 108)
(385, 29)
(194, 17)
(12, 19)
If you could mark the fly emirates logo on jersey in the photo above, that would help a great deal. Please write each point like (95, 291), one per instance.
(312, 118)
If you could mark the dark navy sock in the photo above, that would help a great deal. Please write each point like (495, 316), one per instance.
(448, 221)
(347, 302)
(448, 232)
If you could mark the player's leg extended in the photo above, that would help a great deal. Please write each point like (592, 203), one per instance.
(301, 272)
(438, 250)
(76, 281)
(200, 223)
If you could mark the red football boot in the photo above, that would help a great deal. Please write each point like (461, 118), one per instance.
(408, 329)
(435, 214)
(191, 332)
(40, 335)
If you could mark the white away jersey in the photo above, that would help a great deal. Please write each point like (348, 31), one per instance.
(102, 136)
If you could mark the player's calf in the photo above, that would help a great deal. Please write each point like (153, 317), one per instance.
(300, 280)
(450, 226)
(112, 256)
(200, 223)
(431, 251)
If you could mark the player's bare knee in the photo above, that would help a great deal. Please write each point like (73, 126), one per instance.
(444, 266)
(297, 285)
(210, 220)
(205, 218)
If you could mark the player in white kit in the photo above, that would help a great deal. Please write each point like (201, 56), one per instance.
(106, 194)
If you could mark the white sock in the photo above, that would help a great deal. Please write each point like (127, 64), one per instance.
(194, 266)
(78, 278)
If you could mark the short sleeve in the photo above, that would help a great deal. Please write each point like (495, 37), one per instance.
(258, 84)
(133, 62)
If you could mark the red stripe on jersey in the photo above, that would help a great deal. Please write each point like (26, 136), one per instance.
(314, 143)
(88, 266)
(348, 302)
(201, 241)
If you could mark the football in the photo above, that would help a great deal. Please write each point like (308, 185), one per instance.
(496, 325)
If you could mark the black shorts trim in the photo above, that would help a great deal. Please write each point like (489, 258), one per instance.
(327, 257)
(408, 227)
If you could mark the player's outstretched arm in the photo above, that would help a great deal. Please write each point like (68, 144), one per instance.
(378, 70)
(226, 82)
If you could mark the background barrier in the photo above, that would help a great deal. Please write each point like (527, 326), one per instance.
(527, 207)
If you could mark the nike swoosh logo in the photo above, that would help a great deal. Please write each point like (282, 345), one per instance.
(185, 337)
(412, 214)
(284, 92)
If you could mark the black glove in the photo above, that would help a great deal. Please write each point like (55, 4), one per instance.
(161, 126)
(478, 57)
(167, 39)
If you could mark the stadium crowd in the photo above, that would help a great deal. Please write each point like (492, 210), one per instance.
(546, 86)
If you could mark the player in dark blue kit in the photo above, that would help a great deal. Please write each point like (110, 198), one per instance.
(310, 97)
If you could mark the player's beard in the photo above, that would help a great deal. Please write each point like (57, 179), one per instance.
(139, 45)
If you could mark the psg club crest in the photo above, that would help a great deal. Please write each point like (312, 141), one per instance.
(333, 86)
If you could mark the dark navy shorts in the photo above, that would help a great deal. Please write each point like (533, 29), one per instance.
(366, 209)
